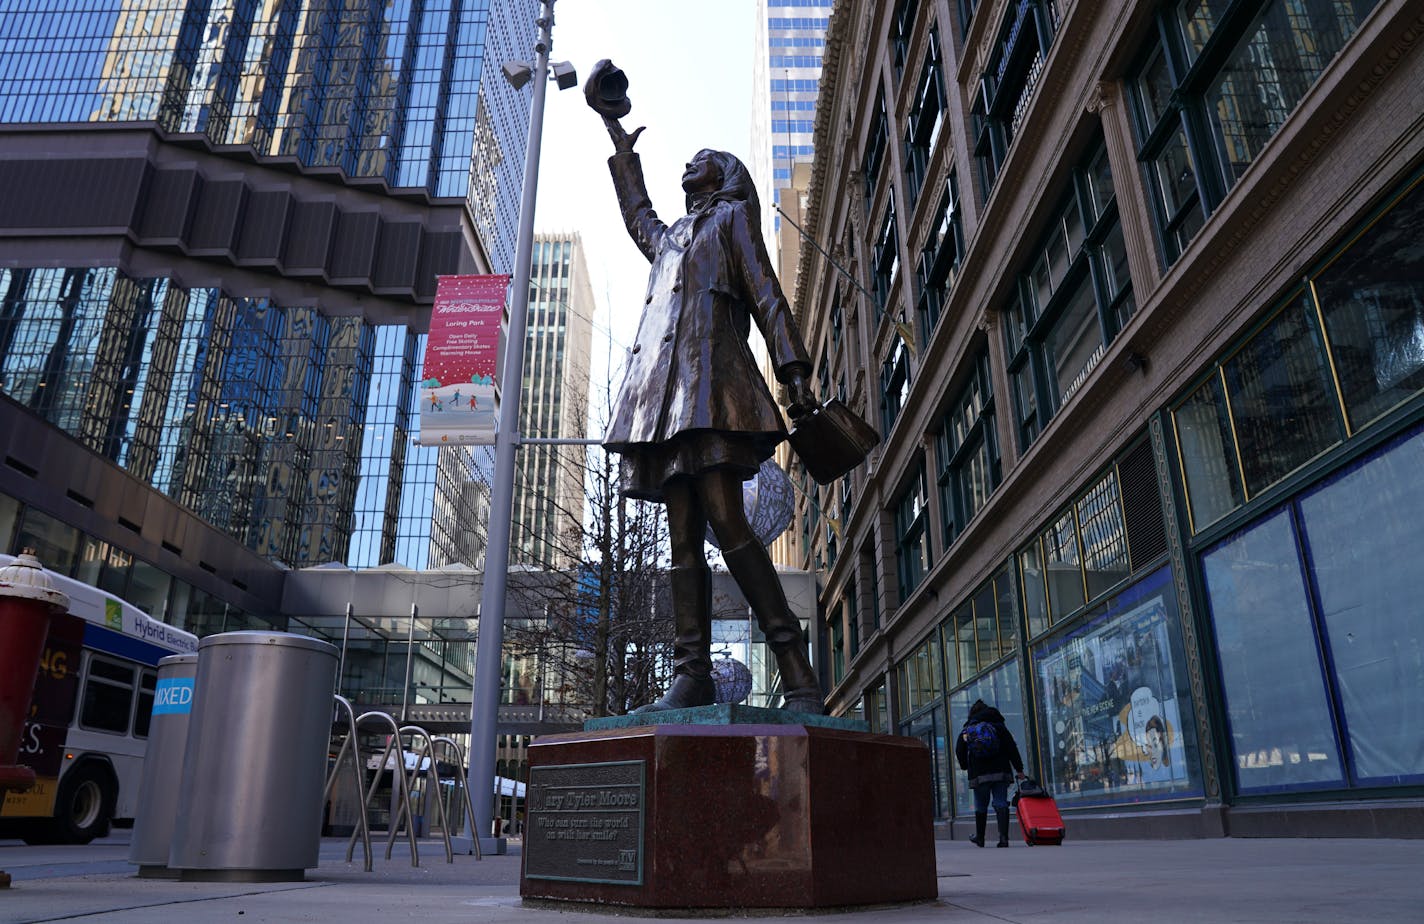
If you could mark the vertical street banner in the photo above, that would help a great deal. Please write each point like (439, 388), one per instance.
(457, 387)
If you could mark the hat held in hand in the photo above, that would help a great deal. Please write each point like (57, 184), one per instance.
(606, 90)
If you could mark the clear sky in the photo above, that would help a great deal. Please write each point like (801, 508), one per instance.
(689, 67)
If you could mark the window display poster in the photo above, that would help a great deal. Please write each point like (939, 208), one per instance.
(1117, 715)
(457, 387)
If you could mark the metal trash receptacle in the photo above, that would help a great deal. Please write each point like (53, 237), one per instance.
(254, 767)
(163, 767)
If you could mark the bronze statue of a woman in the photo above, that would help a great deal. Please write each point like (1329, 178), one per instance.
(694, 418)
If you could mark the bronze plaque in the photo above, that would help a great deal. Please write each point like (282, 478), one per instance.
(585, 822)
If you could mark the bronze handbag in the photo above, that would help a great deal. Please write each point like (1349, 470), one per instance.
(831, 440)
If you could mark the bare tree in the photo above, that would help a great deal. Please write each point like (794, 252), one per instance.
(600, 632)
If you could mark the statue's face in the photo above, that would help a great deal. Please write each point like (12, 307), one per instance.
(702, 175)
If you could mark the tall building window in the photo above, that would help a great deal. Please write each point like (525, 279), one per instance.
(1315, 615)
(1335, 355)
(968, 451)
(785, 61)
(1072, 298)
(887, 257)
(902, 28)
(940, 258)
(1217, 82)
(912, 536)
(875, 149)
(852, 618)
(894, 384)
(966, 15)
(1007, 86)
(1111, 530)
(925, 119)
(799, 22)
(982, 630)
(871, 568)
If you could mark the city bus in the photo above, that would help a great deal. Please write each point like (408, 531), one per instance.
(88, 725)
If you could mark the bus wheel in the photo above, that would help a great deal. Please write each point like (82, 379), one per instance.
(84, 805)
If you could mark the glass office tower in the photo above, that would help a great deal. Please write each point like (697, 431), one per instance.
(227, 219)
(791, 39)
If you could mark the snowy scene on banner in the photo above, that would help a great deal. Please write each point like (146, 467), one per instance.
(457, 391)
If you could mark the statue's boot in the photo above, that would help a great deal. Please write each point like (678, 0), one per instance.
(755, 575)
(692, 648)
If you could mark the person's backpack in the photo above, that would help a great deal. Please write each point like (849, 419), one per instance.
(981, 740)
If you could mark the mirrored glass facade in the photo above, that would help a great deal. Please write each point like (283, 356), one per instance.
(382, 89)
(790, 44)
(264, 412)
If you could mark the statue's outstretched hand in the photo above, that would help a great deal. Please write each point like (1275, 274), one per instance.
(800, 401)
(622, 141)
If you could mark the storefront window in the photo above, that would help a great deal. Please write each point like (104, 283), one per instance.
(1001, 688)
(1276, 704)
(984, 628)
(205, 615)
(1064, 566)
(1365, 545)
(1101, 524)
(148, 589)
(1035, 602)
(986, 625)
(1272, 404)
(951, 653)
(1282, 399)
(1007, 603)
(920, 684)
(962, 623)
(1208, 453)
(56, 543)
(1117, 714)
(1372, 298)
(929, 727)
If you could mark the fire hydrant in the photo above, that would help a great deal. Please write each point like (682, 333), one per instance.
(27, 600)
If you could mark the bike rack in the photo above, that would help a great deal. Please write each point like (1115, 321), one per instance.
(463, 785)
(398, 781)
(427, 751)
(353, 746)
(425, 747)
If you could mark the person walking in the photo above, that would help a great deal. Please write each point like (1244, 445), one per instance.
(987, 752)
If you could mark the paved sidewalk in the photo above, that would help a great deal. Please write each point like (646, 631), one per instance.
(1226, 880)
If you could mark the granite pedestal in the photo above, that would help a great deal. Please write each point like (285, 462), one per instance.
(729, 807)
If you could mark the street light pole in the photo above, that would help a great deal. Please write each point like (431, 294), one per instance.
(484, 707)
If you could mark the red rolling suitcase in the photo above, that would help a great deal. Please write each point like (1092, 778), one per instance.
(1038, 815)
